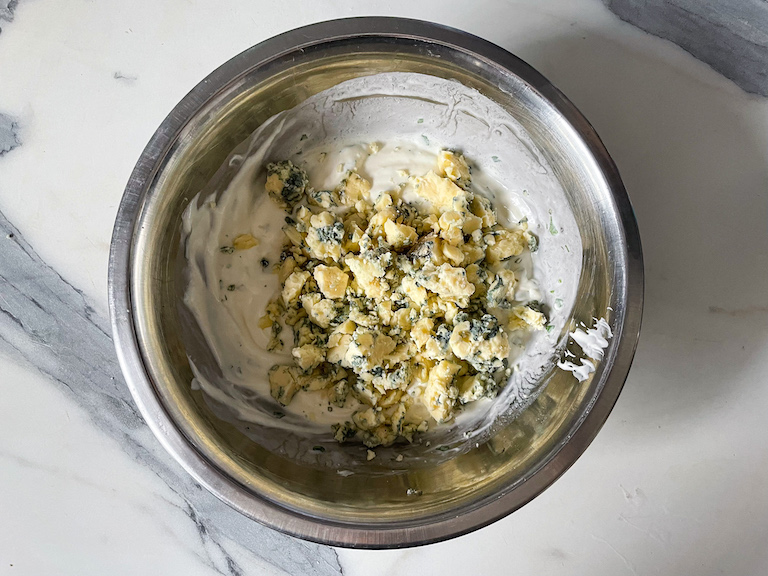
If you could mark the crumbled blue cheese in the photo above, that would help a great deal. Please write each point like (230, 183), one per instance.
(503, 244)
(293, 285)
(501, 291)
(286, 183)
(480, 385)
(481, 342)
(331, 280)
(439, 192)
(398, 306)
(320, 310)
(529, 316)
(308, 356)
(283, 383)
(448, 282)
(454, 167)
(324, 237)
(441, 392)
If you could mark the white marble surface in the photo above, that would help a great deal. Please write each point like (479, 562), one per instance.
(674, 483)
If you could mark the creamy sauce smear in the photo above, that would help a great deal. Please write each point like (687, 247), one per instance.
(328, 135)
(593, 343)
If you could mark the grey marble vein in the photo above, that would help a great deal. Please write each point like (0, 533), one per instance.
(48, 323)
(732, 37)
(125, 78)
(9, 134)
(7, 8)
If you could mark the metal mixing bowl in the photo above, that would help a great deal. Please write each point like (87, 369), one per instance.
(376, 509)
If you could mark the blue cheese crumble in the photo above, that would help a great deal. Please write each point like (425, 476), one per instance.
(405, 307)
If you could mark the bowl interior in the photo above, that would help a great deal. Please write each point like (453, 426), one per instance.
(383, 495)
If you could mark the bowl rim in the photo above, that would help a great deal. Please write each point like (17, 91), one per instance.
(232, 493)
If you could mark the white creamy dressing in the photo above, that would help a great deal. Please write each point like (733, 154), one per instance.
(410, 117)
(593, 343)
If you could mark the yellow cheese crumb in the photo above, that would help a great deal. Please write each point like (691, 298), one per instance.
(504, 244)
(331, 280)
(244, 242)
(454, 166)
(439, 191)
(440, 393)
(354, 189)
(399, 235)
(293, 285)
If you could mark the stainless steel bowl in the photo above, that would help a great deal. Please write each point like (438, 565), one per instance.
(373, 510)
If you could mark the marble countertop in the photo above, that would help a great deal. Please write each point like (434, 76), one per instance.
(675, 483)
